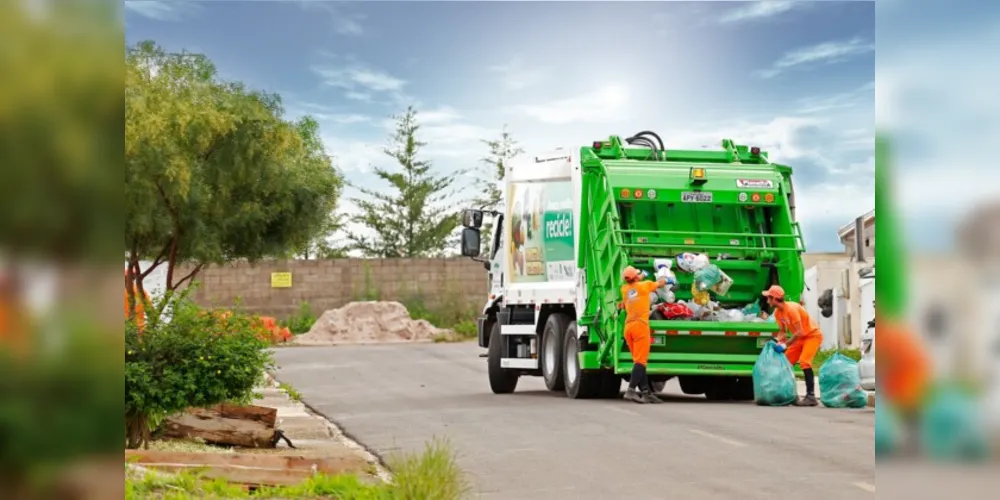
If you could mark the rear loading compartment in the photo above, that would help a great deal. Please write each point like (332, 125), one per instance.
(737, 214)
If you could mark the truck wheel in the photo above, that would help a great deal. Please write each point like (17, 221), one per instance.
(501, 381)
(744, 389)
(611, 386)
(552, 351)
(579, 384)
(658, 386)
(693, 384)
(721, 389)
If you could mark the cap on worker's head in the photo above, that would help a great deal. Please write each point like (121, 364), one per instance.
(775, 292)
(630, 273)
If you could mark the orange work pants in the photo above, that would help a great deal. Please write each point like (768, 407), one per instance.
(638, 337)
(803, 350)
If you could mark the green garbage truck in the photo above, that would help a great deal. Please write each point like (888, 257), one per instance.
(573, 219)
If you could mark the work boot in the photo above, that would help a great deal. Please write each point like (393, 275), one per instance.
(808, 400)
(649, 398)
(631, 395)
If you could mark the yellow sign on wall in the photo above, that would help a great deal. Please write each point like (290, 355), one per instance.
(281, 280)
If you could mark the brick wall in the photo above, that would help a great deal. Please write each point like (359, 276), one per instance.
(328, 284)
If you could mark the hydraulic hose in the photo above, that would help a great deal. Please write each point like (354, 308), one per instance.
(642, 141)
(648, 132)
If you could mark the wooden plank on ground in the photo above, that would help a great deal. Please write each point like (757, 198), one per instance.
(246, 468)
(212, 428)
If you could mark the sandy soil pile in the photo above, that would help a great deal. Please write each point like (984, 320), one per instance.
(368, 322)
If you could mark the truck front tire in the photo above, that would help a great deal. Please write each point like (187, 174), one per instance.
(501, 381)
(551, 356)
(579, 384)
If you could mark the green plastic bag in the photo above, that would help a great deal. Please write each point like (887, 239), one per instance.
(887, 427)
(773, 378)
(952, 427)
(840, 383)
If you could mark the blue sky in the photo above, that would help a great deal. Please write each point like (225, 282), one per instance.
(796, 78)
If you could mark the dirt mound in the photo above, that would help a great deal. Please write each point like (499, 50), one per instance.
(363, 322)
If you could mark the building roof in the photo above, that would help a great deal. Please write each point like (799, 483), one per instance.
(848, 228)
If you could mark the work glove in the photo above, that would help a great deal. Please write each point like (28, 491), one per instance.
(779, 347)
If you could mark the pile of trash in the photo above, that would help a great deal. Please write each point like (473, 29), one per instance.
(708, 279)
(368, 322)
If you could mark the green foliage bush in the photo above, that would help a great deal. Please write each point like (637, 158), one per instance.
(199, 358)
(58, 401)
(301, 321)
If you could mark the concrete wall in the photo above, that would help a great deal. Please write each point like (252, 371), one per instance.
(328, 284)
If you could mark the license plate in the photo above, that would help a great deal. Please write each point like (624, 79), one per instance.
(696, 197)
(761, 342)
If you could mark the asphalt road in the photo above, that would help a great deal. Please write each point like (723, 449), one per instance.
(535, 444)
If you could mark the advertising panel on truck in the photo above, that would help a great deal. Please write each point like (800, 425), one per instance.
(540, 232)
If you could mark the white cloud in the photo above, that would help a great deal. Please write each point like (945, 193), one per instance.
(161, 10)
(759, 10)
(353, 156)
(515, 76)
(844, 100)
(352, 78)
(823, 53)
(833, 203)
(593, 107)
(358, 96)
(345, 22)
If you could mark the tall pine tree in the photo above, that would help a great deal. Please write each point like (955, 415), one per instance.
(410, 219)
(501, 151)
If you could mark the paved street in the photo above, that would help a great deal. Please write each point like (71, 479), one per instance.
(534, 444)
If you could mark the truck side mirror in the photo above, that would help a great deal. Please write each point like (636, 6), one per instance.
(472, 218)
(470, 242)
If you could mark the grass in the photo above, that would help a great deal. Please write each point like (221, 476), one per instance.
(292, 393)
(431, 474)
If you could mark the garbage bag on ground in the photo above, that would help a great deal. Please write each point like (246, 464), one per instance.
(887, 430)
(952, 427)
(840, 383)
(773, 378)
(691, 262)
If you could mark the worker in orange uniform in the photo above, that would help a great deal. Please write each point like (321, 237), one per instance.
(636, 302)
(804, 340)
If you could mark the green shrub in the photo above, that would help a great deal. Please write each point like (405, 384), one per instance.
(59, 401)
(301, 321)
(453, 312)
(197, 359)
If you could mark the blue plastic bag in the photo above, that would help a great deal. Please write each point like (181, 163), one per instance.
(840, 383)
(773, 378)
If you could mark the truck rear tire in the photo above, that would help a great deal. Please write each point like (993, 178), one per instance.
(579, 384)
(551, 356)
(611, 386)
(693, 384)
(501, 381)
(658, 386)
(721, 389)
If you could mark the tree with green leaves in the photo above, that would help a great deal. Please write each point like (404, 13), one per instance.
(501, 151)
(411, 218)
(213, 173)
